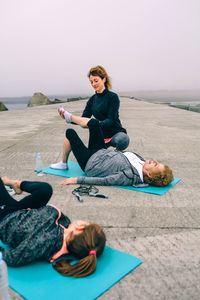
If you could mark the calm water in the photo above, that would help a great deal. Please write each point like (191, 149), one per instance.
(15, 103)
(192, 97)
(21, 102)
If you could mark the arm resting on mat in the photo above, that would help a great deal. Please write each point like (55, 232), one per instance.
(115, 179)
(70, 180)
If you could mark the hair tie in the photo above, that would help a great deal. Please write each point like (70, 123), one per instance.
(92, 252)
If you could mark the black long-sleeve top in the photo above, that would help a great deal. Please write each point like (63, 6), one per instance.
(105, 108)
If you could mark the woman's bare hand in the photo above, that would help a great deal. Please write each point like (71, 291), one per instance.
(71, 180)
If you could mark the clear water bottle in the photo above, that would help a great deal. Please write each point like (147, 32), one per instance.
(39, 165)
(3, 279)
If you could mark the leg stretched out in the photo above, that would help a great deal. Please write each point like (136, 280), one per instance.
(80, 151)
(120, 140)
(96, 142)
(83, 122)
(69, 118)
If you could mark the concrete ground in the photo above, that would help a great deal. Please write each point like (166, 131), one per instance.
(163, 231)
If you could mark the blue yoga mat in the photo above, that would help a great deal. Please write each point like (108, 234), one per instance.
(75, 171)
(40, 281)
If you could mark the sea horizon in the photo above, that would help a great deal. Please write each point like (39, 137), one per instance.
(191, 97)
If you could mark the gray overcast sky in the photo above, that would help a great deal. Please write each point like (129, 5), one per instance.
(49, 45)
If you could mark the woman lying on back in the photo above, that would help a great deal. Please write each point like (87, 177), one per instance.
(34, 230)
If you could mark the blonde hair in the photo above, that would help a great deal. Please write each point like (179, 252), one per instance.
(160, 178)
(101, 72)
(92, 238)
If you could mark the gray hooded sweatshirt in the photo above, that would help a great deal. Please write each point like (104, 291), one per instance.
(111, 167)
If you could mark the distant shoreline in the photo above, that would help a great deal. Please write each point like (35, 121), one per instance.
(177, 98)
(13, 103)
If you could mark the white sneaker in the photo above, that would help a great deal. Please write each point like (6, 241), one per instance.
(60, 166)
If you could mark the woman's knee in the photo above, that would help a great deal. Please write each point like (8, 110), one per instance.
(120, 141)
(46, 190)
(93, 123)
(69, 133)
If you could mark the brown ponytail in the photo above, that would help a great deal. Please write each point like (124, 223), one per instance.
(92, 238)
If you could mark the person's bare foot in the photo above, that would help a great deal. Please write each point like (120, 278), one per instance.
(14, 183)
(5, 180)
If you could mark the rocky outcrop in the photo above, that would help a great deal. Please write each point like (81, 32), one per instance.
(38, 99)
(41, 99)
(2, 107)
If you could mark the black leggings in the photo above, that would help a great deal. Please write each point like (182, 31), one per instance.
(40, 194)
(96, 142)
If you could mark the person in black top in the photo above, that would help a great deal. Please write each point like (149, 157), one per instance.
(104, 106)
